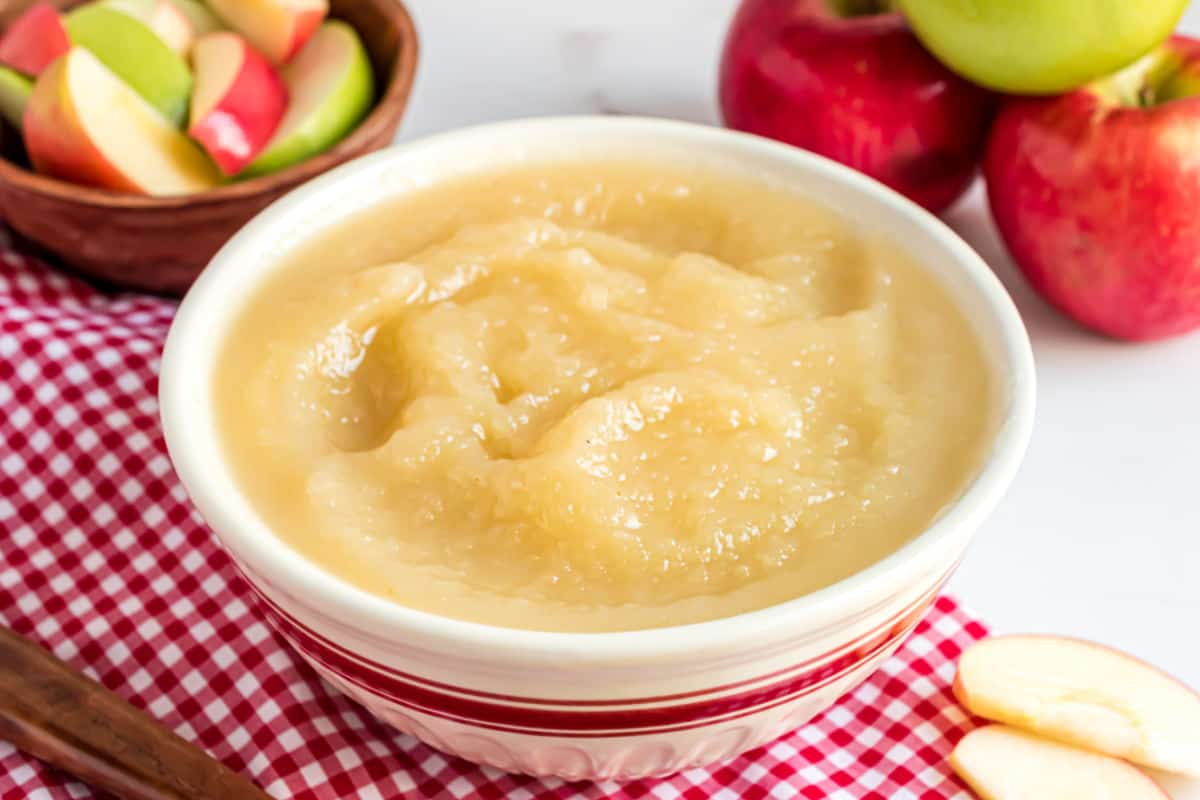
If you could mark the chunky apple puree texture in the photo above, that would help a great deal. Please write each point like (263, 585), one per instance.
(600, 397)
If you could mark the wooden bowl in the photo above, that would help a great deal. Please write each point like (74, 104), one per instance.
(161, 244)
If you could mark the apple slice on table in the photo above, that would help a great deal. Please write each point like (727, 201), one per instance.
(239, 100)
(279, 28)
(137, 55)
(1086, 695)
(1002, 763)
(15, 90)
(164, 18)
(84, 124)
(34, 40)
(331, 87)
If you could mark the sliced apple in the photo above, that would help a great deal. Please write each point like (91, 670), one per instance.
(1002, 763)
(202, 20)
(15, 90)
(164, 18)
(84, 124)
(239, 100)
(1086, 695)
(137, 55)
(331, 87)
(279, 28)
(34, 40)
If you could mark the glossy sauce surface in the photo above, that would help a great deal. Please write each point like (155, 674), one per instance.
(601, 396)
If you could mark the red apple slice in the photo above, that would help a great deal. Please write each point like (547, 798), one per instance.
(279, 28)
(239, 100)
(84, 124)
(331, 87)
(1085, 695)
(1002, 763)
(36, 38)
(164, 18)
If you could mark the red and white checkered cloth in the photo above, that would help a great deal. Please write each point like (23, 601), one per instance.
(104, 561)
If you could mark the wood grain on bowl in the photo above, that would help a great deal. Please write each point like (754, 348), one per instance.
(161, 244)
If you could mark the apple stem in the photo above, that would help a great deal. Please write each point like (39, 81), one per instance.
(1152, 80)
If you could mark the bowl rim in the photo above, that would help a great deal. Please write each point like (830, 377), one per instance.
(384, 112)
(378, 619)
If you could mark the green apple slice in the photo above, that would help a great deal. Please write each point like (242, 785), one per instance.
(161, 17)
(331, 87)
(15, 90)
(137, 55)
(203, 21)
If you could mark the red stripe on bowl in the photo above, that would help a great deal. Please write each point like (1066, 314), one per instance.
(608, 734)
(898, 619)
(561, 721)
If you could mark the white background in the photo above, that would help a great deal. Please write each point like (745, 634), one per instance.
(1100, 535)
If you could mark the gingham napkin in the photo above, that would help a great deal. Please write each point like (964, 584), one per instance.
(103, 560)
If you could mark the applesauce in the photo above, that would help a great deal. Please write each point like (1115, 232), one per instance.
(601, 396)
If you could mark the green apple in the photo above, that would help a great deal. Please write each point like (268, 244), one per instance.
(203, 21)
(177, 22)
(137, 55)
(331, 88)
(15, 90)
(1040, 46)
(162, 17)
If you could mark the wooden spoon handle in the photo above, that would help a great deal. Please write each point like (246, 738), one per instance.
(53, 712)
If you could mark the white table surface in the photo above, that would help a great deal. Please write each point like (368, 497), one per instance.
(1099, 536)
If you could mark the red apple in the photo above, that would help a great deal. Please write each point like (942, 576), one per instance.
(849, 80)
(1097, 194)
(238, 103)
(34, 40)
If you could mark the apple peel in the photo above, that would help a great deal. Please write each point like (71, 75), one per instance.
(331, 87)
(15, 91)
(239, 100)
(136, 54)
(163, 18)
(35, 40)
(84, 124)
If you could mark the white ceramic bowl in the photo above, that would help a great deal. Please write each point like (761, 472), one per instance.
(611, 705)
